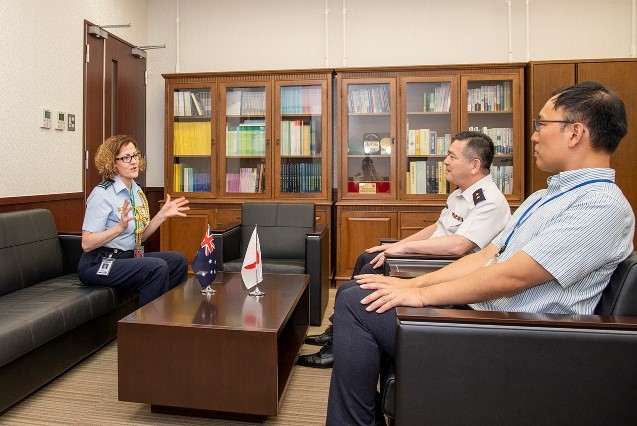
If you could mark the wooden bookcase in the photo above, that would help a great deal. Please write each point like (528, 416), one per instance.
(245, 136)
(395, 125)
(544, 77)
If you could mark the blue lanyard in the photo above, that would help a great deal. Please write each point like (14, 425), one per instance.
(526, 214)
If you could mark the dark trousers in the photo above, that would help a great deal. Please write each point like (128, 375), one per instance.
(362, 266)
(360, 339)
(152, 275)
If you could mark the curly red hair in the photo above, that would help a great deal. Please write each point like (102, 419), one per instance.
(106, 153)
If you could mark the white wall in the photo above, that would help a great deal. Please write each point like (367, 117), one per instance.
(220, 35)
(41, 54)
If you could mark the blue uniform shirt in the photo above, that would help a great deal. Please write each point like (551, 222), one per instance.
(103, 211)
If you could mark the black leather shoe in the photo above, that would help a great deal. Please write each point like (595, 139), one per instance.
(320, 339)
(322, 359)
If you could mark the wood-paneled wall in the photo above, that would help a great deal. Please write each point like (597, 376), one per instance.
(68, 210)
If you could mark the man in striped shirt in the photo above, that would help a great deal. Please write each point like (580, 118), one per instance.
(555, 255)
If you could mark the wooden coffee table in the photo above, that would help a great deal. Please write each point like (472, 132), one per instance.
(221, 355)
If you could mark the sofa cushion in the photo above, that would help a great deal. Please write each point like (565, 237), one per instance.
(30, 250)
(41, 312)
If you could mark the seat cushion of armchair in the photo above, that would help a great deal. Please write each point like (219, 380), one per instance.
(271, 266)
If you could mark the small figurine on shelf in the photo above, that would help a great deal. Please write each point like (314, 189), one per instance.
(369, 170)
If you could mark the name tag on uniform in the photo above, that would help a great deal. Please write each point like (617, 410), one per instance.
(105, 266)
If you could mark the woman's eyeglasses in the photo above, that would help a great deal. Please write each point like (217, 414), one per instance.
(127, 158)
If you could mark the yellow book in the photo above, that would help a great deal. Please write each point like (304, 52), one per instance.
(177, 177)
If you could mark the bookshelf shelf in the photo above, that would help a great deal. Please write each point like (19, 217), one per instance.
(489, 112)
(428, 113)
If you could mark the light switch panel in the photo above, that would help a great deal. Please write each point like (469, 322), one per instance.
(70, 122)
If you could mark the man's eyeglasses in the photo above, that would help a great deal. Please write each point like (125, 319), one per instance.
(127, 158)
(537, 124)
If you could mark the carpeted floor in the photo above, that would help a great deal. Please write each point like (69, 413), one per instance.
(87, 395)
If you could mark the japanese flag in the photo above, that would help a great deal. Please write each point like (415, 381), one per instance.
(252, 270)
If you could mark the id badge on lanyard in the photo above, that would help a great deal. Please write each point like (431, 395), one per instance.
(106, 265)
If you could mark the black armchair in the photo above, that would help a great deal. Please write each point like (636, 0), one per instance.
(463, 366)
(291, 243)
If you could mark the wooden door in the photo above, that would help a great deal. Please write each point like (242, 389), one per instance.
(114, 98)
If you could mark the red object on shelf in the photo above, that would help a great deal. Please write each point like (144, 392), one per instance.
(381, 187)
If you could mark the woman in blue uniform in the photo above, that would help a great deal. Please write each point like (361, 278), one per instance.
(117, 221)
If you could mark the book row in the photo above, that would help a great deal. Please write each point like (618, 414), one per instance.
(367, 100)
(189, 180)
(502, 175)
(191, 138)
(248, 180)
(426, 177)
(301, 177)
(502, 138)
(299, 138)
(439, 100)
(247, 138)
(490, 98)
(427, 142)
(301, 100)
(245, 102)
(187, 103)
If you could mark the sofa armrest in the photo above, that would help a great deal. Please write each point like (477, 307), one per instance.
(317, 266)
(388, 240)
(71, 250)
(227, 242)
(413, 265)
(455, 366)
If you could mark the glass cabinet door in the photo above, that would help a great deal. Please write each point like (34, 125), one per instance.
(245, 151)
(369, 139)
(300, 144)
(492, 108)
(192, 140)
(429, 122)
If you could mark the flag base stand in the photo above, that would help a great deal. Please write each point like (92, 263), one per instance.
(208, 291)
(256, 292)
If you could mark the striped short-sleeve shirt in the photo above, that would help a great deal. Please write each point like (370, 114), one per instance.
(579, 237)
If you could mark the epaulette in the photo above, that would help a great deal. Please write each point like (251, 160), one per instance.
(478, 196)
(106, 183)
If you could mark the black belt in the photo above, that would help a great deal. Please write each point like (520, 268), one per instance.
(111, 252)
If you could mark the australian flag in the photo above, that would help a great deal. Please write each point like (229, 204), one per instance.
(204, 264)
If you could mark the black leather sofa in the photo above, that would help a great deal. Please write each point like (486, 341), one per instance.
(48, 321)
(471, 367)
